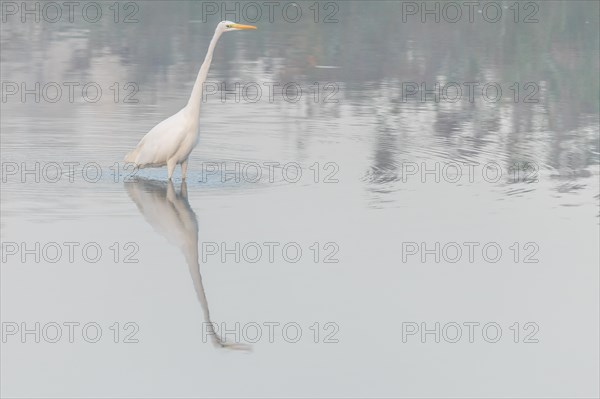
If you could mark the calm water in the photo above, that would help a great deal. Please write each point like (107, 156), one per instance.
(359, 163)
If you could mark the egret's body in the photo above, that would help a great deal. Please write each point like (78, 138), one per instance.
(171, 142)
(168, 143)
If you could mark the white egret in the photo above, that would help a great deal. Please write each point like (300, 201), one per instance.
(172, 140)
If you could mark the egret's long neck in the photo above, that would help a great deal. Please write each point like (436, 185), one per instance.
(195, 99)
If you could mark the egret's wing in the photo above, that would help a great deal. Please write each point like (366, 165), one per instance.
(161, 142)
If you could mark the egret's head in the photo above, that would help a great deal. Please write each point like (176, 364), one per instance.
(227, 26)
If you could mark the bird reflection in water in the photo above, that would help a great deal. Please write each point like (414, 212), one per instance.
(171, 216)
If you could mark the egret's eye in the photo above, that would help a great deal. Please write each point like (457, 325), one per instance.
(228, 26)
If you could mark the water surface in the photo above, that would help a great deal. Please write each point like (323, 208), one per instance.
(365, 137)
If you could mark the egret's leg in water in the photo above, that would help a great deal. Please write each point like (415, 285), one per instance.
(184, 165)
(171, 163)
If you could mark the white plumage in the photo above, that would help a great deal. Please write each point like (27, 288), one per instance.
(172, 140)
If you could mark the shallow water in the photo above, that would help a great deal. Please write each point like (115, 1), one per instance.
(366, 171)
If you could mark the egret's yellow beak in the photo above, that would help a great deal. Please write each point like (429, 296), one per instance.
(242, 27)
